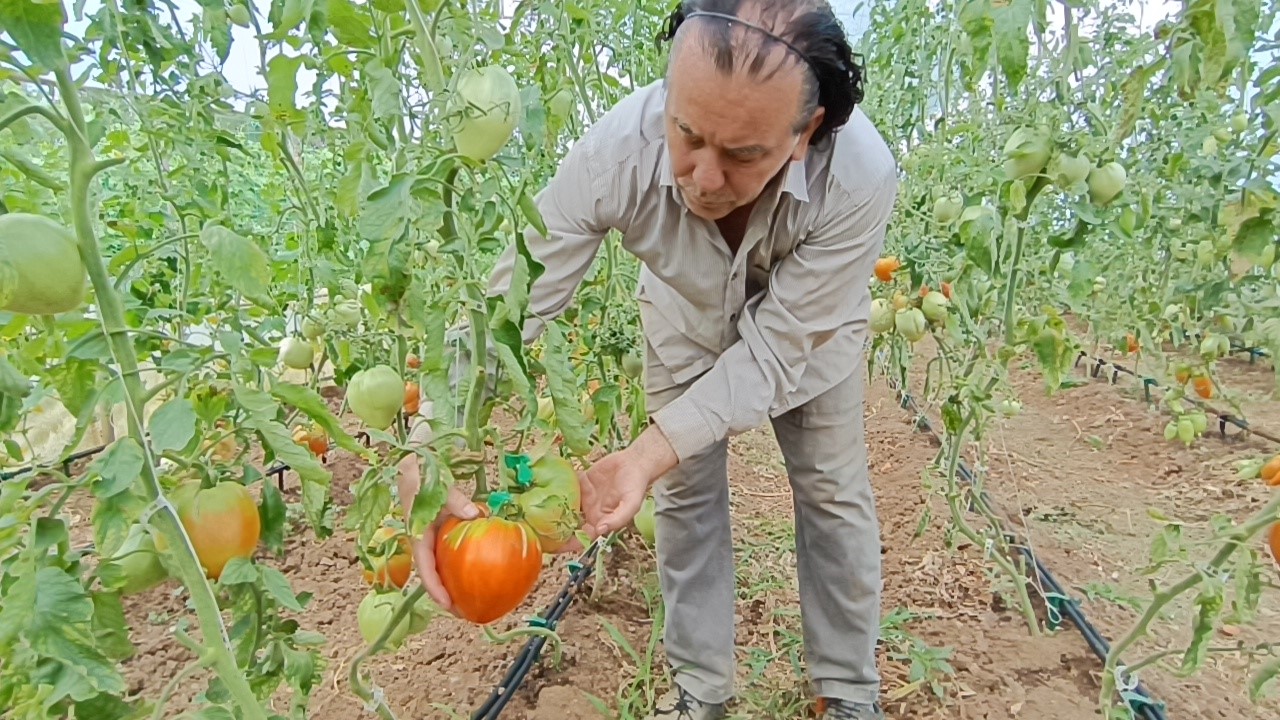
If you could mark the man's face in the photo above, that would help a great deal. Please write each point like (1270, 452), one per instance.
(728, 136)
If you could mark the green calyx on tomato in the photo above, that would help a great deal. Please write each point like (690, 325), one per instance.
(296, 353)
(374, 616)
(376, 396)
(488, 107)
(488, 565)
(222, 522)
(40, 268)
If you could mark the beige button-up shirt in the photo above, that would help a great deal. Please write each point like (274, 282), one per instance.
(757, 333)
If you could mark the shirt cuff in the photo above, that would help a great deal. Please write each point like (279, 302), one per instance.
(686, 429)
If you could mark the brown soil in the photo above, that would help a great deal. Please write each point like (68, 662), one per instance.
(1081, 468)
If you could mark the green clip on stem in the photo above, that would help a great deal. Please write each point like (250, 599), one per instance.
(1055, 603)
(497, 499)
(520, 464)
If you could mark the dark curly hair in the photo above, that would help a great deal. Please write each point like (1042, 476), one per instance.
(810, 28)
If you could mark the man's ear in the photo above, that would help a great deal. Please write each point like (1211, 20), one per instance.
(802, 147)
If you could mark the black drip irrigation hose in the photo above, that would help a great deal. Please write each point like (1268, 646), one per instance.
(1224, 419)
(1059, 603)
(579, 571)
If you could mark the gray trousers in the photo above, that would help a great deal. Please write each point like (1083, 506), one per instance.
(837, 548)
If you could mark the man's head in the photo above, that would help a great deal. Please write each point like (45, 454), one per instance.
(748, 93)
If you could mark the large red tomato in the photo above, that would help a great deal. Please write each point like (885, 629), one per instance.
(222, 522)
(488, 565)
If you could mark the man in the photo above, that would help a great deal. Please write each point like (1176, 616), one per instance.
(758, 225)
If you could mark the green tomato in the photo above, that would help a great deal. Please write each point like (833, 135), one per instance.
(296, 353)
(1239, 122)
(1008, 408)
(1026, 152)
(488, 107)
(1186, 430)
(934, 306)
(312, 328)
(374, 616)
(345, 314)
(40, 268)
(1209, 148)
(1106, 182)
(138, 561)
(946, 209)
(239, 15)
(1222, 134)
(1067, 170)
(561, 104)
(376, 396)
(632, 365)
(881, 316)
(911, 323)
(646, 522)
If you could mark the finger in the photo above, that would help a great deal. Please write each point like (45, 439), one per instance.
(424, 557)
(590, 498)
(625, 512)
(459, 504)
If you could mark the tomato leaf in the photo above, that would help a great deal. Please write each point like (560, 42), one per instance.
(1253, 237)
(386, 210)
(431, 496)
(262, 409)
(372, 499)
(1265, 675)
(109, 626)
(313, 406)
(117, 468)
(1009, 22)
(278, 585)
(384, 90)
(239, 571)
(349, 25)
(12, 382)
(282, 88)
(36, 27)
(272, 514)
(565, 394)
(173, 425)
(55, 614)
(241, 263)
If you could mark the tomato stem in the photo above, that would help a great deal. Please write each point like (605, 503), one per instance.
(83, 169)
(1269, 514)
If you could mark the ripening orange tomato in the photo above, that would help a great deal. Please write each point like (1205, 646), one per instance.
(886, 266)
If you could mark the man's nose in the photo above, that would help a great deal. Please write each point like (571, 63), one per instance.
(708, 175)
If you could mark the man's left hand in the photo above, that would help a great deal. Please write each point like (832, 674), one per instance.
(614, 488)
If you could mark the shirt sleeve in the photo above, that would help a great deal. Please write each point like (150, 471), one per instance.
(579, 206)
(812, 293)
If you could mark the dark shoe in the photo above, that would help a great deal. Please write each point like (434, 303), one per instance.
(846, 710)
(678, 704)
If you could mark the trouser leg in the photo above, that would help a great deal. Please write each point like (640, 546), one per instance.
(837, 540)
(695, 560)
